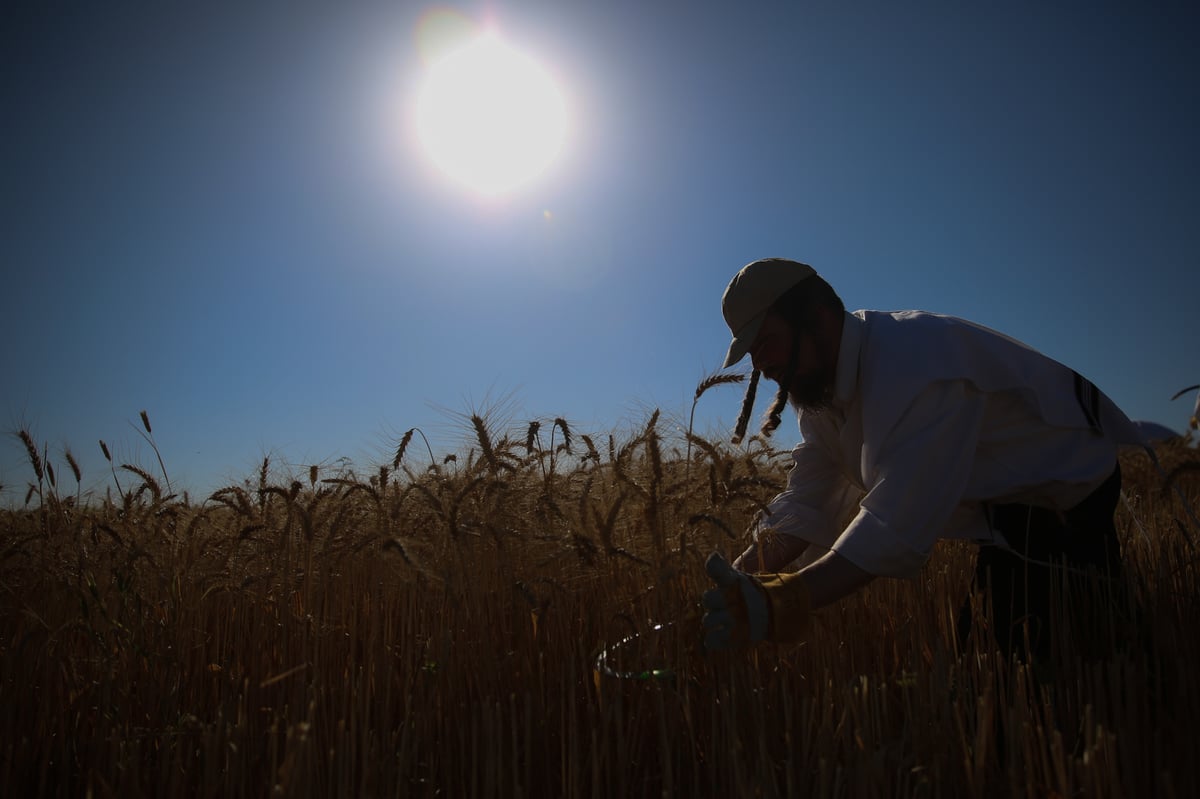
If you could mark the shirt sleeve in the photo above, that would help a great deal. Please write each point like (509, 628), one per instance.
(803, 509)
(917, 481)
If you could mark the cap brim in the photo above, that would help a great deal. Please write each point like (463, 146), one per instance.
(743, 339)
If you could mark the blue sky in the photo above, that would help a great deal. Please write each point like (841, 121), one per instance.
(216, 212)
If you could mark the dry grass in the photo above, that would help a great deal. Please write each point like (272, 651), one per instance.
(432, 632)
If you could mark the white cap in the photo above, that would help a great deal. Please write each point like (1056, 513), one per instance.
(750, 295)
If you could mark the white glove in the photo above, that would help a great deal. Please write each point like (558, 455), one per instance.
(738, 613)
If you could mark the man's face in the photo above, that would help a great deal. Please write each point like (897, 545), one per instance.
(810, 379)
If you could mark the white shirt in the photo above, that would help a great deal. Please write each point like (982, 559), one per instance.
(933, 417)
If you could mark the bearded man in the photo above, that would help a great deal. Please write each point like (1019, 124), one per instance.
(918, 427)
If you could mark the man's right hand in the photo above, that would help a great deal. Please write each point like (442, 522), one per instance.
(770, 552)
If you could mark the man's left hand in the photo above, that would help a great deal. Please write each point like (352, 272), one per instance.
(737, 614)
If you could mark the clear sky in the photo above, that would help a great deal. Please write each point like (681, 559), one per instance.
(219, 212)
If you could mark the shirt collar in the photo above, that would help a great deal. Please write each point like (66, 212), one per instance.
(846, 382)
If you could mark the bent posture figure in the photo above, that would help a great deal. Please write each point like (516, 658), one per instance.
(923, 427)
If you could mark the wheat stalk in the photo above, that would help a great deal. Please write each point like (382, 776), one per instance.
(592, 453)
(531, 436)
(711, 381)
(561, 424)
(485, 443)
(74, 464)
(149, 436)
(147, 479)
(404, 441)
(31, 450)
(654, 451)
(112, 467)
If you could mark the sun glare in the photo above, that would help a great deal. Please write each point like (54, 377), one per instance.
(489, 116)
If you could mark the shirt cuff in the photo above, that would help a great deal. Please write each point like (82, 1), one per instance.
(871, 545)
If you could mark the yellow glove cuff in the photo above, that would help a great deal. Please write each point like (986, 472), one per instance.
(791, 606)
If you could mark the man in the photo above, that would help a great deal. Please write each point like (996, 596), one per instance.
(938, 428)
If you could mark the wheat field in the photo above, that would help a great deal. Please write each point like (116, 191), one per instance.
(428, 628)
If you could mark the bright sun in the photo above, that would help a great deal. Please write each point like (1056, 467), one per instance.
(490, 117)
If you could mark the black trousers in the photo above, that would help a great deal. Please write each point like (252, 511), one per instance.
(1065, 573)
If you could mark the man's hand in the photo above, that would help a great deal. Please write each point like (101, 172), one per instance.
(737, 611)
(770, 552)
(743, 610)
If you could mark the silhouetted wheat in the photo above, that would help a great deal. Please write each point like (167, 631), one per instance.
(711, 381)
(76, 472)
(561, 424)
(592, 453)
(148, 481)
(485, 443)
(31, 450)
(434, 631)
(531, 436)
(149, 437)
(404, 440)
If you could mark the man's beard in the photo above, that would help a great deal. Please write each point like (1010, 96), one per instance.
(811, 393)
